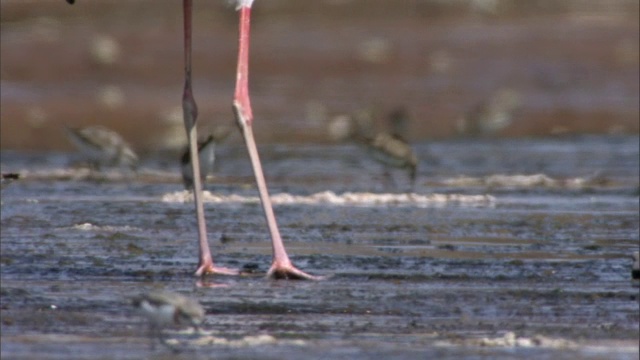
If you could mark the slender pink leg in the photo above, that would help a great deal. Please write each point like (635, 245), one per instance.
(281, 268)
(205, 265)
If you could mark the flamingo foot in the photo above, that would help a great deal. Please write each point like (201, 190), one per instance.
(208, 268)
(289, 272)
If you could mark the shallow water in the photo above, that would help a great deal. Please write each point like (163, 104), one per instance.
(532, 237)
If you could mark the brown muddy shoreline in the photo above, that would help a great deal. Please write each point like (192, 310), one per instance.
(573, 66)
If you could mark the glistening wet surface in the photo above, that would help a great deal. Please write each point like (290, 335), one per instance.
(502, 249)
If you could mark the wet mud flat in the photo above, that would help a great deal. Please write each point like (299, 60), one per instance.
(524, 252)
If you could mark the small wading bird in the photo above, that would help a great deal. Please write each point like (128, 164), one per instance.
(389, 148)
(8, 178)
(491, 116)
(102, 147)
(281, 266)
(164, 308)
(206, 157)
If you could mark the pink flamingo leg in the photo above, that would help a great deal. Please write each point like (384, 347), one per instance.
(190, 110)
(281, 268)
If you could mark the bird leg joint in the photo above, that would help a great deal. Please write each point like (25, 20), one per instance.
(189, 110)
(241, 119)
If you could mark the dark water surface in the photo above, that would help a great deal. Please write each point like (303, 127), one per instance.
(504, 249)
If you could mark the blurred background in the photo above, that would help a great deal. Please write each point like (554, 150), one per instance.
(460, 68)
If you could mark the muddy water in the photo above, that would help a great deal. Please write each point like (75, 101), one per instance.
(502, 249)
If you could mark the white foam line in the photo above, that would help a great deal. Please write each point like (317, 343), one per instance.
(522, 181)
(348, 198)
(92, 227)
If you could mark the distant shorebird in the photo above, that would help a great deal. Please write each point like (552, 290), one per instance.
(164, 308)
(8, 178)
(207, 157)
(490, 116)
(635, 268)
(389, 148)
(102, 147)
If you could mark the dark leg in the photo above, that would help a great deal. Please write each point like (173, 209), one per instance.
(190, 110)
